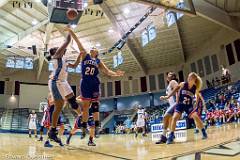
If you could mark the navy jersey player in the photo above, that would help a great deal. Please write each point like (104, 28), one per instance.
(186, 92)
(90, 82)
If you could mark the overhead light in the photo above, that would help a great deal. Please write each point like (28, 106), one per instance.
(38, 0)
(110, 31)
(85, 5)
(73, 26)
(126, 11)
(34, 22)
(98, 45)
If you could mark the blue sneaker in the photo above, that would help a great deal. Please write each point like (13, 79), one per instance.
(196, 131)
(204, 134)
(170, 138)
(47, 144)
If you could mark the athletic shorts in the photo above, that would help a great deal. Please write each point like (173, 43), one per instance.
(170, 109)
(48, 118)
(140, 122)
(32, 125)
(189, 109)
(59, 89)
(90, 89)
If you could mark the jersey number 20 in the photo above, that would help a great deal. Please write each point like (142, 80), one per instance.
(89, 71)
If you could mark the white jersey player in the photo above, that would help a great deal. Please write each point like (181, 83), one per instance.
(59, 86)
(44, 107)
(32, 123)
(172, 83)
(141, 115)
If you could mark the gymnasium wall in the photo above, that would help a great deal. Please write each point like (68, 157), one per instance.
(31, 95)
(214, 46)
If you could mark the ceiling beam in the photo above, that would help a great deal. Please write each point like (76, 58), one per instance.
(216, 15)
(134, 50)
(179, 35)
(48, 32)
(20, 36)
(161, 5)
(41, 60)
(234, 14)
(3, 2)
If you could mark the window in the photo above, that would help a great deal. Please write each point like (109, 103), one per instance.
(207, 65)
(117, 88)
(193, 67)
(237, 48)
(200, 68)
(102, 90)
(152, 82)
(135, 86)
(161, 82)
(2, 87)
(109, 89)
(126, 87)
(181, 76)
(215, 64)
(230, 54)
(143, 84)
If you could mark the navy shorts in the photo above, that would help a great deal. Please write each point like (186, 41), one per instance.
(90, 90)
(189, 109)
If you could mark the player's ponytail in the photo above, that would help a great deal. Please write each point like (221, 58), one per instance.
(198, 82)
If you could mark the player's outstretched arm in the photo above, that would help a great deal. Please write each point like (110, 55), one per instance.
(75, 64)
(82, 50)
(61, 50)
(109, 72)
(177, 88)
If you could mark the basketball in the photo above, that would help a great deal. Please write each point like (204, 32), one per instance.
(72, 14)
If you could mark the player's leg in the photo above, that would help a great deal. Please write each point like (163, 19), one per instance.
(57, 110)
(95, 107)
(176, 116)
(167, 119)
(77, 125)
(35, 133)
(86, 97)
(41, 133)
(136, 129)
(96, 116)
(91, 135)
(199, 124)
(91, 125)
(72, 132)
(30, 133)
(55, 88)
(71, 98)
(47, 142)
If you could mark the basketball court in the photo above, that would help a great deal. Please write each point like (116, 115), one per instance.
(223, 144)
(146, 39)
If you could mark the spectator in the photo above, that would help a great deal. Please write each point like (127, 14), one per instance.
(208, 84)
(226, 77)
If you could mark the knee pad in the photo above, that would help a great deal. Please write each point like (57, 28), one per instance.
(72, 101)
(91, 122)
(97, 123)
(41, 129)
(95, 107)
(84, 125)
